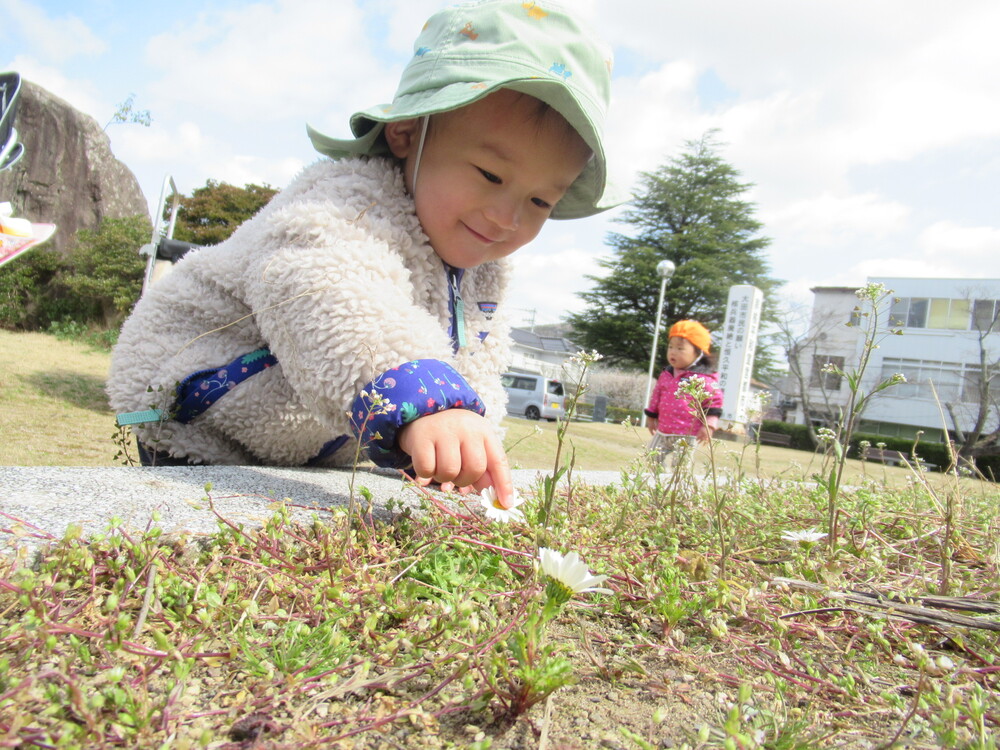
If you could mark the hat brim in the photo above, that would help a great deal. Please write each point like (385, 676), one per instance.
(589, 194)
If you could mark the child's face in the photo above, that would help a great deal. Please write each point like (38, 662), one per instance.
(489, 174)
(681, 353)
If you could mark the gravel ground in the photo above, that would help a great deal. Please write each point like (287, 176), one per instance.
(40, 501)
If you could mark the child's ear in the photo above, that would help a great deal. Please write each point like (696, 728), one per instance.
(402, 137)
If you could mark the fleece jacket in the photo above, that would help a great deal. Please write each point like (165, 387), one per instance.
(337, 281)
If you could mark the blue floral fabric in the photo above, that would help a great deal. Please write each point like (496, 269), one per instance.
(395, 398)
(402, 394)
(201, 389)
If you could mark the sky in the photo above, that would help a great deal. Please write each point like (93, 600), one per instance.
(869, 130)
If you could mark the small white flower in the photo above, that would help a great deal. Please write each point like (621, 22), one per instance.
(809, 536)
(583, 357)
(873, 291)
(825, 435)
(496, 512)
(571, 572)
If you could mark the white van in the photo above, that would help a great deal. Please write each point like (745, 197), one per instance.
(534, 396)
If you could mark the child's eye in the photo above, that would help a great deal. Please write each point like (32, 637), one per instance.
(541, 203)
(490, 176)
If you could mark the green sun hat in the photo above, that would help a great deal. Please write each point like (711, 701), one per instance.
(470, 50)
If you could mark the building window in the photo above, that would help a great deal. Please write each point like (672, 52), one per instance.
(949, 314)
(909, 312)
(917, 315)
(984, 314)
(943, 314)
(925, 378)
(828, 381)
(973, 382)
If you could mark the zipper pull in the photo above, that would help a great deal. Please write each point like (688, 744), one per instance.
(459, 311)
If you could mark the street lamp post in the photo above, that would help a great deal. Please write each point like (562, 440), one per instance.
(666, 269)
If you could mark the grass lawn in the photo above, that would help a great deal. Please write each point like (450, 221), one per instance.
(53, 412)
(610, 446)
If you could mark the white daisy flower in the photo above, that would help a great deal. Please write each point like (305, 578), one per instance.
(569, 574)
(809, 536)
(496, 512)
(805, 539)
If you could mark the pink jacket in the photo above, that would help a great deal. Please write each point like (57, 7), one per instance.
(673, 411)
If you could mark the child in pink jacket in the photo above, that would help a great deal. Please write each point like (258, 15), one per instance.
(670, 415)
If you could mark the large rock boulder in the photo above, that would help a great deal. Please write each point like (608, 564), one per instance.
(68, 175)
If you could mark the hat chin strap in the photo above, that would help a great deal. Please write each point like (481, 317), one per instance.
(420, 150)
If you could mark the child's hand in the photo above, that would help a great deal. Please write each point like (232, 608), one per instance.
(458, 447)
(651, 425)
(704, 434)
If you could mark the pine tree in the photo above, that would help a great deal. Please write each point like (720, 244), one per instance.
(689, 211)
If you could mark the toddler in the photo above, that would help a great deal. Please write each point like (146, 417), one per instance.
(671, 417)
(366, 299)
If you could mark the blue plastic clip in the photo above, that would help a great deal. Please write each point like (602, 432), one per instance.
(139, 417)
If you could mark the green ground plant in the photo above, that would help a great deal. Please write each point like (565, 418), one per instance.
(439, 628)
(416, 630)
(872, 296)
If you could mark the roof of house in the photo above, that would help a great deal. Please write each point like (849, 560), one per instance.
(838, 289)
(532, 340)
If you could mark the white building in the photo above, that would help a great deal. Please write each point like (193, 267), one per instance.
(946, 325)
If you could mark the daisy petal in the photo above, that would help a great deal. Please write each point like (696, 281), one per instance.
(496, 512)
(570, 571)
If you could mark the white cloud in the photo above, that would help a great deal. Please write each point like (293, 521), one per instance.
(83, 95)
(941, 92)
(402, 20)
(548, 273)
(159, 142)
(244, 169)
(57, 38)
(819, 90)
(650, 118)
(826, 220)
(906, 267)
(191, 156)
(975, 249)
(797, 293)
(269, 61)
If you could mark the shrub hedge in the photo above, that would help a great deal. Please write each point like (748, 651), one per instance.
(614, 413)
(932, 453)
(95, 283)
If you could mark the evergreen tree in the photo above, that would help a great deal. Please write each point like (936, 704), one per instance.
(213, 212)
(688, 211)
(104, 271)
(95, 283)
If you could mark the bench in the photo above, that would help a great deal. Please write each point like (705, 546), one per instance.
(775, 438)
(893, 458)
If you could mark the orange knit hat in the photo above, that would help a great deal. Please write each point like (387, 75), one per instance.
(694, 332)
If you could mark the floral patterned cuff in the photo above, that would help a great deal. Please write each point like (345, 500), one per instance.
(402, 394)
